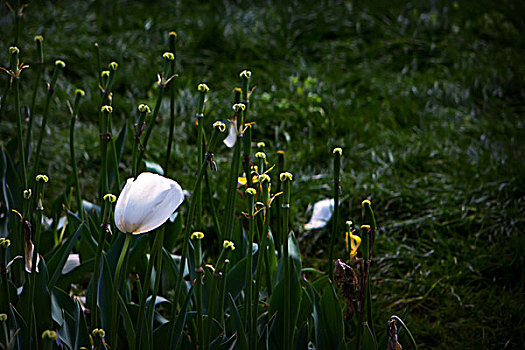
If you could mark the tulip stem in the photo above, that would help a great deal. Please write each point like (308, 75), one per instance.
(157, 255)
(116, 285)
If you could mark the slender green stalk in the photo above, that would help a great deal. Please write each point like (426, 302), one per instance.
(137, 146)
(4, 244)
(203, 89)
(248, 309)
(74, 115)
(245, 77)
(278, 207)
(212, 206)
(218, 128)
(369, 241)
(286, 179)
(156, 249)
(263, 257)
(105, 137)
(116, 286)
(337, 168)
(39, 65)
(59, 65)
(199, 272)
(162, 82)
(173, 50)
(156, 284)
(39, 194)
(247, 151)
(104, 230)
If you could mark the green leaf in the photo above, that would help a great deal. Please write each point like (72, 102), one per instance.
(58, 260)
(128, 324)
(105, 295)
(328, 311)
(369, 341)
(238, 324)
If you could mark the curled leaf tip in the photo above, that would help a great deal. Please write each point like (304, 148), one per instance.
(260, 155)
(111, 198)
(251, 191)
(219, 125)
(261, 144)
(13, 50)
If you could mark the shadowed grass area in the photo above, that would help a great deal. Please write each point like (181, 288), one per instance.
(426, 100)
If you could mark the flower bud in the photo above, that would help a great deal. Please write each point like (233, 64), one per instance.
(263, 178)
(197, 235)
(60, 64)
(5, 243)
(111, 198)
(99, 333)
(237, 90)
(246, 74)
(13, 50)
(106, 109)
(41, 177)
(38, 38)
(113, 65)
(285, 176)
(260, 155)
(203, 88)
(251, 191)
(219, 125)
(337, 150)
(228, 245)
(168, 56)
(27, 194)
(173, 34)
(80, 92)
(104, 73)
(49, 335)
(261, 144)
(238, 106)
(365, 202)
(365, 227)
(143, 108)
(3, 317)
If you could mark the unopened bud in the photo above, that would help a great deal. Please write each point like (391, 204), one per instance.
(38, 38)
(228, 245)
(168, 56)
(286, 176)
(113, 65)
(365, 202)
(5, 243)
(13, 50)
(106, 109)
(98, 332)
(337, 150)
(260, 155)
(203, 88)
(143, 108)
(261, 144)
(60, 64)
(238, 106)
(263, 178)
(41, 177)
(27, 193)
(111, 198)
(80, 92)
(365, 227)
(219, 125)
(104, 73)
(251, 191)
(49, 335)
(3, 317)
(173, 34)
(245, 74)
(197, 235)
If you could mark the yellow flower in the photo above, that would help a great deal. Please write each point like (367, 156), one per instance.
(355, 242)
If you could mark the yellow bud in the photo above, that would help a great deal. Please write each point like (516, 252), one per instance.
(337, 150)
(237, 90)
(365, 227)
(27, 194)
(260, 155)
(38, 38)
(197, 235)
(228, 245)
(365, 202)
(49, 335)
(203, 88)
(143, 108)
(113, 65)
(41, 177)
(3, 317)
(14, 50)
(246, 74)
(173, 34)
(60, 64)
(168, 56)
(261, 144)
(111, 198)
(263, 178)
(106, 109)
(5, 243)
(219, 125)
(238, 106)
(251, 191)
(80, 92)
(286, 176)
(104, 73)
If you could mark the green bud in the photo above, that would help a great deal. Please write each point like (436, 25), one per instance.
(41, 177)
(13, 50)
(260, 155)
(338, 150)
(3, 317)
(38, 38)
(197, 235)
(246, 74)
(49, 335)
(251, 191)
(263, 178)
(168, 56)
(219, 125)
(285, 176)
(104, 73)
(203, 88)
(106, 109)
(143, 108)
(80, 92)
(238, 106)
(111, 198)
(5, 243)
(365, 202)
(60, 64)
(27, 194)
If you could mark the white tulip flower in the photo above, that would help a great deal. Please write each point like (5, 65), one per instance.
(146, 202)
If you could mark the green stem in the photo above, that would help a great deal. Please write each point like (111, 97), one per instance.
(96, 270)
(116, 285)
(335, 220)
(229, 211)
(19, 130)
(198, 288)
(285, 211)
(212, 205)
(248, 309)
(158, 276)
(39, 66)
(187, 230)
(74, 117)
(172, 40)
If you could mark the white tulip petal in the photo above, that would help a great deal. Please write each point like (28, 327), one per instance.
(322, 213)
(232, 135)
(146, 203)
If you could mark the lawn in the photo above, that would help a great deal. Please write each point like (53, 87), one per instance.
(426, 100)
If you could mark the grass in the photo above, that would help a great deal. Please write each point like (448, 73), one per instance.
(426, 101)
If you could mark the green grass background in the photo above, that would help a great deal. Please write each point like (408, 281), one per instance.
(427, 100)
